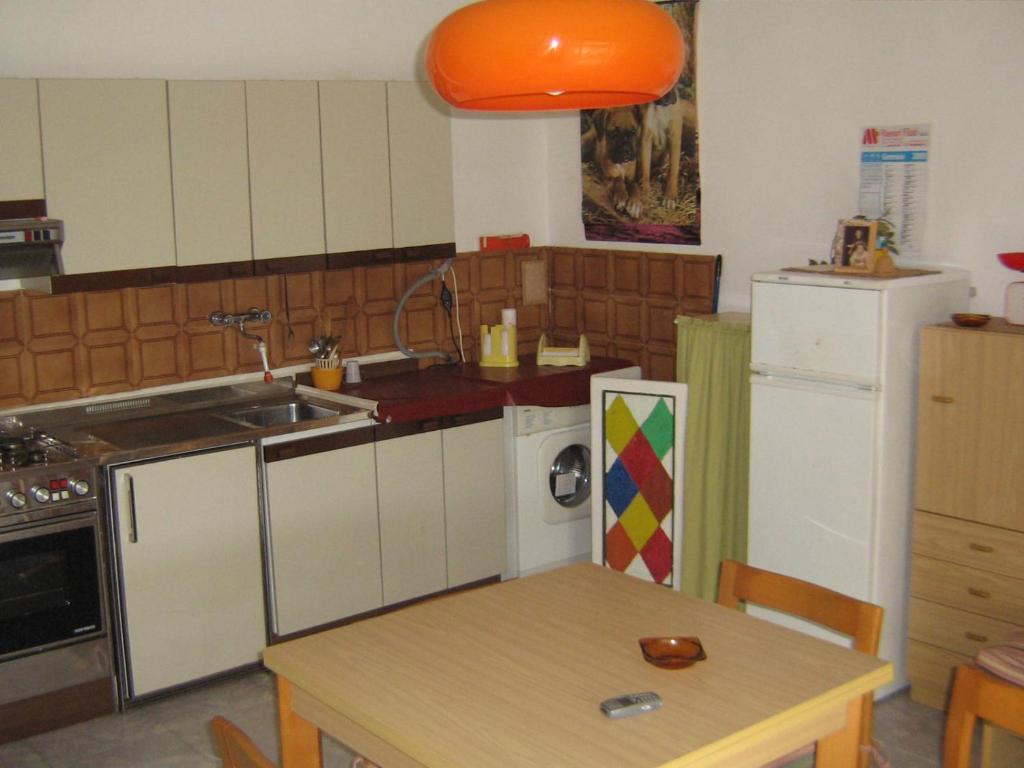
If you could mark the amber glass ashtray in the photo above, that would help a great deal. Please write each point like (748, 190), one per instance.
(672, 652)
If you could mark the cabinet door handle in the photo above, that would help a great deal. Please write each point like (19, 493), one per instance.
(976, 637)
(982, 593)
(981, 547)
(944, 399)
(133, 524)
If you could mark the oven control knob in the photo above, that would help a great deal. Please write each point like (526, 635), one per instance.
(15, 498)
(40, 494)
(79, 487)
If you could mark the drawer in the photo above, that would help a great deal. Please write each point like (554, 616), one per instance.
(953, 629)
(983, 592)
(930, 671)
(972, 544)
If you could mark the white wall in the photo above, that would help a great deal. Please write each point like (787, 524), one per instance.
(784, 90)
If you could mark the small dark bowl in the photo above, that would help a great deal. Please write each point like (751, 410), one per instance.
(672, 652)
(970, 320)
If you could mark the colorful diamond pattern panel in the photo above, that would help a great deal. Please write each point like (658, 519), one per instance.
(639, 439)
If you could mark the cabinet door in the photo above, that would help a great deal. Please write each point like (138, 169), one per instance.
(419, 134)
(210, 169)
(284, 168)
(357, 183)
(324, 541)
(107, 167)
(22, 177)
(474, 497)
(970, 423)
(189, 557)
(410, 493)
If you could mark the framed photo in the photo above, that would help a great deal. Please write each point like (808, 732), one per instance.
(854, 246)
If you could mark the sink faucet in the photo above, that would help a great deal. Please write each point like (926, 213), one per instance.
(254, 315)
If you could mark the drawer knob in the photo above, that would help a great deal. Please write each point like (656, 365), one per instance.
(976, 637)
(981, 547)
(944, 399)
(979, 592)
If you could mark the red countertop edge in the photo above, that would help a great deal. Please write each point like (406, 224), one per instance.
(466, 388)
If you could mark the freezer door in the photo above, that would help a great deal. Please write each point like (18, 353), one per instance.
(829, 332)
(812, 477)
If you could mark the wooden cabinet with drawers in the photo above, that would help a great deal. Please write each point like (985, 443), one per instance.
(967, 580)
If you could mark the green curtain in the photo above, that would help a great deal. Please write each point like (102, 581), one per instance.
(713, 358)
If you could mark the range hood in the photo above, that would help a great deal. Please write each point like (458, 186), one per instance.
(30, 253)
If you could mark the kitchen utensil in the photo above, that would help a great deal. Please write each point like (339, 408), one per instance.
(316, 347)
(970, 320)
(1014, 291)
(1012, 260)
(326, 378)
(352, 375)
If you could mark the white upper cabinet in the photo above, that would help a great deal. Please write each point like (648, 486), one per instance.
(107, 169)
(210, 170)
(419, 134)
(22, 177)
(153, 173)
(357, 181)
(284, 168)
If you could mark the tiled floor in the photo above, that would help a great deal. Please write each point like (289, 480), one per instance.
(174, 732)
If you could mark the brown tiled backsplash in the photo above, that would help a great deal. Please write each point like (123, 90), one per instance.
(76, 345)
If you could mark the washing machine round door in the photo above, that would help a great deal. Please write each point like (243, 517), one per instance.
(569, 477)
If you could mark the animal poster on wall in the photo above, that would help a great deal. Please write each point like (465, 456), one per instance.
(641, 179)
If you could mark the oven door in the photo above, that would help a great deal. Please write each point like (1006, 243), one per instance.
(50, 588)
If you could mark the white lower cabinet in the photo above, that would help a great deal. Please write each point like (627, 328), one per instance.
(322, 530)
(189, 565)
(410, 495)
(474, 501)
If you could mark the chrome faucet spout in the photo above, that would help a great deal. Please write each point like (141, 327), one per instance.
(254, 315)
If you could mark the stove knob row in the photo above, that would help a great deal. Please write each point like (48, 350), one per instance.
(39, 494)
(15, 498)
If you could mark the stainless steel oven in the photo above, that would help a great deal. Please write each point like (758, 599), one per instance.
(55, 666)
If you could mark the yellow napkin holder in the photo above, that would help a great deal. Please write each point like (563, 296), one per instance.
(498, 346)
(579, 355)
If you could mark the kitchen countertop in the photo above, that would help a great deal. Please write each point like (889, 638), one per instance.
(447, 390)
(194, 419)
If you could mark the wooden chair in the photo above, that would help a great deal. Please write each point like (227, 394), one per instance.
(236, 749)
(977, 693)
(841, 613)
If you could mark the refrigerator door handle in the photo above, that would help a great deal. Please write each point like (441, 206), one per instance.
(763, 371)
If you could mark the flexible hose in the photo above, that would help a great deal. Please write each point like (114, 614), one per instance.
(430, 275)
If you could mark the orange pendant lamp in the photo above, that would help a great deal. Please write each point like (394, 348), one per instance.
(533, 55)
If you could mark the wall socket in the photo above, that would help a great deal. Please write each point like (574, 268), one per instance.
(535, 282)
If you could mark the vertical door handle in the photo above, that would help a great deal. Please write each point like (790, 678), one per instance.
(133, 523)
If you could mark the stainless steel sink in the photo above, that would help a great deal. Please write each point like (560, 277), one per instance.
(282, 413)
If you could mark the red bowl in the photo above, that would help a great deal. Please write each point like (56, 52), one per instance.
(1013, 260)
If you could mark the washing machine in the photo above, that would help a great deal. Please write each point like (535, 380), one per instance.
(549, 523)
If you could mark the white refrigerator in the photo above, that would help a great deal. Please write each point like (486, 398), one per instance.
(833, 410)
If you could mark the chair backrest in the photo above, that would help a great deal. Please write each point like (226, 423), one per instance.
(854, 618)
(236, 749)
(976, 693)
(861, 621)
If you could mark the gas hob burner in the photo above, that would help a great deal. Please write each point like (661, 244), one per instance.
(33, 449)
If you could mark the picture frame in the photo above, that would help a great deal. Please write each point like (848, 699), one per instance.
(853, 249)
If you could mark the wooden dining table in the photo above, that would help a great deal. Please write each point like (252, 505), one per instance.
(512, 674)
